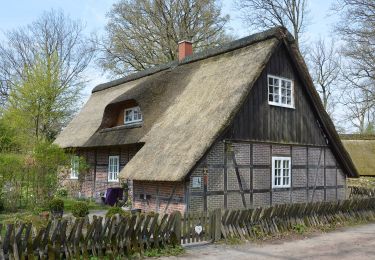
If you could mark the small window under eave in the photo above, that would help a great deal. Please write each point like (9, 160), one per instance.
(132, 115)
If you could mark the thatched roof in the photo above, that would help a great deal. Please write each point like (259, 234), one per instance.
(362, 150)
(186, 106)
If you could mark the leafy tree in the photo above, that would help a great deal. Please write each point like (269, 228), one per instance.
(264, 14)
(144, 33)
(53, 34)
(39, 105)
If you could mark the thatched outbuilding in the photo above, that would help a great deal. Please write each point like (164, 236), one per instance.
(362, 151)
(236, 126)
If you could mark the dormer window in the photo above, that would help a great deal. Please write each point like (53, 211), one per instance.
(132, 115)
(280, 92)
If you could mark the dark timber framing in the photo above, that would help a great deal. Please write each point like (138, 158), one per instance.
(311, 169)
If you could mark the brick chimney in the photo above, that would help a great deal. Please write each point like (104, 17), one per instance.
(185, 48)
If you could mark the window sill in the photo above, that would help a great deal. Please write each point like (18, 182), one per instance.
(120, 127)
(73, 178)
(280, 105)
(113, 180)
(281, 188)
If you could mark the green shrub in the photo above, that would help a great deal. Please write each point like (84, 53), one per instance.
(117, 210)
(56, 205)
(299, 228)
(80, 209)
(62, 193)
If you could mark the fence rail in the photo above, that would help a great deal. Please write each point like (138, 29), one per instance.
(124, 236)
(254, 222)
(118, 236)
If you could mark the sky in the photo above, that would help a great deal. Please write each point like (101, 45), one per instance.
(16, 13)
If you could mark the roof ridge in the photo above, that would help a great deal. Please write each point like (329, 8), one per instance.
(278, 32)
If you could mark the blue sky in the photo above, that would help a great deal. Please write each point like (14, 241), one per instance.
(93, 13)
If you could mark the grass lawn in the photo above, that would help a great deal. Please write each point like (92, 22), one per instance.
(68, 205)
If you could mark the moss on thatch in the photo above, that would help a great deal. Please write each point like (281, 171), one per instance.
(362, 153)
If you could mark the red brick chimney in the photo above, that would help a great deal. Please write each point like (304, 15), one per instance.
(185, 48)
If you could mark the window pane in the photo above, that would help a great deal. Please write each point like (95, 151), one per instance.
(288, 85)
(129, 115)
(270, 81)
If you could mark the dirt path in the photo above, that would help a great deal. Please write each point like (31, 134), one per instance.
(349, 243)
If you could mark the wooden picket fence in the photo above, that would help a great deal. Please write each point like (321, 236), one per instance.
(249, 223)
(121, 237)
(115, 237)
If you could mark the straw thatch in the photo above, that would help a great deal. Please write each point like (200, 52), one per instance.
(362, 150)
(185, 106)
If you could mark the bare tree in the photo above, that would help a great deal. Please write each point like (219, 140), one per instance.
(361, 110)
(144, 33)
(263, 14)
(357, 29)
(325, 66)
(52, 34)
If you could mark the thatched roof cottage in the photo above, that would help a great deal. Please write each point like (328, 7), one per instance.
(236, 126)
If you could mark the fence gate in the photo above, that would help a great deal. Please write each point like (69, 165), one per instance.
(195, 227)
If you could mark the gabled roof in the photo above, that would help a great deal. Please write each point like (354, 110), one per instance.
(362, 150)
(186, 106)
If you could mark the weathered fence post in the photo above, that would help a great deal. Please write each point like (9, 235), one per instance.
(216, 225)
(177, 226)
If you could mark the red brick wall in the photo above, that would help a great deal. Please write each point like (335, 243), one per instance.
(159, 194)
(97, 160)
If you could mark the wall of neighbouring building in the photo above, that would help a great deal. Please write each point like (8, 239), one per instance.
(159, 196)
(221, 188)
(95, 181)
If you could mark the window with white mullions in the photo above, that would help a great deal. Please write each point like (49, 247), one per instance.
(74, 167)
(281, 169)
(132, 115)
(113, 168)
(280, 91)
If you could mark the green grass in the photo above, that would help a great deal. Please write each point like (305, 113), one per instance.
(68, 205)
(166, 251)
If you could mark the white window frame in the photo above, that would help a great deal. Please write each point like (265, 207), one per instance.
(113, 169)
(133, 120)
(74, 167)
(282, 170)
(279, 103)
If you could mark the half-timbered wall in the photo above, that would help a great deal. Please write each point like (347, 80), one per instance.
(246, 183)
(97, 159)
(157, 196)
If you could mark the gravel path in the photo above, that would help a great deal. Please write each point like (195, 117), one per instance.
(349, 243)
